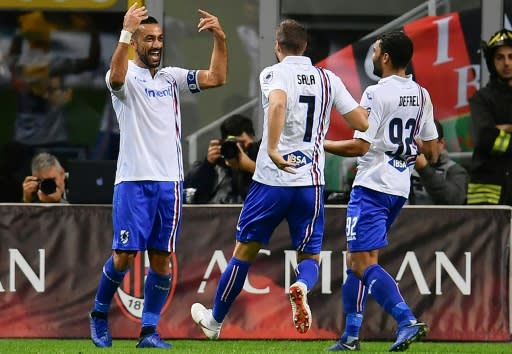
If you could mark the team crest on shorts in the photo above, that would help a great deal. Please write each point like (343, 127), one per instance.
(130, 294)
(123, 236)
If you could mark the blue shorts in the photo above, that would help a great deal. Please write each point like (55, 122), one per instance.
(266, 206)
(147, 215)
(369, 217)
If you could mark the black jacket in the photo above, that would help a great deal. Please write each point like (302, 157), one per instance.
(491, 168)
(443, 183)
(218, 183)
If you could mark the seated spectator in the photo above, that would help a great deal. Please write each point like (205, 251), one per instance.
(47, 184)
(225, 174)
(444, 182)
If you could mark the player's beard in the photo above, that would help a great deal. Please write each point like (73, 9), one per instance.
(145, 59)
(377, 68)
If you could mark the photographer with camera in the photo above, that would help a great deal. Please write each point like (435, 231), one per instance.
(47, 182)
(224, 175)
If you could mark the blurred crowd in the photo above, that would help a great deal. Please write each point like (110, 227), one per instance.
(42, 78)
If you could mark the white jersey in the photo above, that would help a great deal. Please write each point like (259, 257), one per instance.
(149, 117)
(311, 93)
(400, 111)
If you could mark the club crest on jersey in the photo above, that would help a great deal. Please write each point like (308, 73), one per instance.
(130, 293)
(298, 158)
(398, 163)
(268, 77)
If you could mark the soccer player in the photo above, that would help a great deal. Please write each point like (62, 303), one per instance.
(288, 181)
(401, 124)
(147, 200)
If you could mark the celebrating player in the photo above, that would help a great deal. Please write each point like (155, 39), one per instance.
(400, 112)
(147, 200)
(288, 181)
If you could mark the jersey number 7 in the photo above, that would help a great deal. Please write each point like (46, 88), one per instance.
(310, 101)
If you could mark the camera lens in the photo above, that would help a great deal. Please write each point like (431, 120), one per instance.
(48, 186)
(229, 149)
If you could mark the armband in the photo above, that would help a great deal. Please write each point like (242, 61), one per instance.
(125, 37)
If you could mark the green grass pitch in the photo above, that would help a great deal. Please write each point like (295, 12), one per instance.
(239, 346)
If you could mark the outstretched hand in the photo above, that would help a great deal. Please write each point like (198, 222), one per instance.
(134, 16)
(210, 23)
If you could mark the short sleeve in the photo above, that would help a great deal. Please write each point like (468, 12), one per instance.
(121, 93)
(428, 130)
(185, 79)
(370, 102)
(343, 100)
(271, 79)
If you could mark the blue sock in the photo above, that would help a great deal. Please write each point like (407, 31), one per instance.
(385, 291)
(355, 294)
(109, 282)
(156, 290)
(307, 272)
(230, 284)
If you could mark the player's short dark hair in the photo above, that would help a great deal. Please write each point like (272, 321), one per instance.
(292, 36)
(150, 19)
(235, 125)
(398, 46)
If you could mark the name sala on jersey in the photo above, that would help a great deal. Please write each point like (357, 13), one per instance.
(305, 79)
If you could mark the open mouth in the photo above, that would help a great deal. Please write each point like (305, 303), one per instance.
(154, 55)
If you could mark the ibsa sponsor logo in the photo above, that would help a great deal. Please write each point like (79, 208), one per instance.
(130, 294)
(298, 158)
(398, 164)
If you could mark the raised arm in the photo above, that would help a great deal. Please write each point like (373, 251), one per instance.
(217, 72)
(119, 63)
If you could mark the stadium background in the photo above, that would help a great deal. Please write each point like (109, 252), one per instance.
(341, 40)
